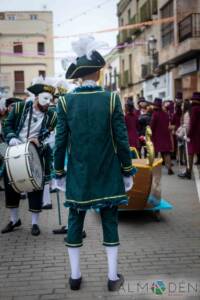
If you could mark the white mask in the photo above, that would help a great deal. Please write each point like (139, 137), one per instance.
(44, 98)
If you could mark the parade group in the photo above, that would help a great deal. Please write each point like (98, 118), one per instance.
(83, 140)
(175, 128)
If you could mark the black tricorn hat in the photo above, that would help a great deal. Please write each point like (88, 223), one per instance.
(157, 102)
(196, 96)
(179, 96)
(38, 88)
(141, 99)
(85, 66)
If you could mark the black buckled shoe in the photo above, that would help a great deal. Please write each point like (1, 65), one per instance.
(47, 206)
(62, 230)
(35, 230)
(75, 284)
(11, 226)
(115, 285)
(186, 175)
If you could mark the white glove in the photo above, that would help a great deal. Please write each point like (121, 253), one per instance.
(187, 139)
(59, 184)
(14, 142)
(128, 183)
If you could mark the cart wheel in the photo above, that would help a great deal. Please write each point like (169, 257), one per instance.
(157, 215)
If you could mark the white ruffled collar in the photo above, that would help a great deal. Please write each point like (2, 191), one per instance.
(89, 83)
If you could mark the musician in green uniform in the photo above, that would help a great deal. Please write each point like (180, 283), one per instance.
(29, 121)
(91, 127)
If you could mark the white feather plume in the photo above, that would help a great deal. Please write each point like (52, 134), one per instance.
(69, 86)
(61, 83)
(86, 45)
(47, 80)
(67, 61)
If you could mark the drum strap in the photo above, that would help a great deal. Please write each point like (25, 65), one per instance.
(29, 121)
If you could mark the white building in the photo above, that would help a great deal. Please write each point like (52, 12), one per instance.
(161, 87)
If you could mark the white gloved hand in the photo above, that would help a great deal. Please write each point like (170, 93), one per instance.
(14, 142)
(128, 183)
(59, 184)
(187, 139)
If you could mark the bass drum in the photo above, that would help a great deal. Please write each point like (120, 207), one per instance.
(24, 168)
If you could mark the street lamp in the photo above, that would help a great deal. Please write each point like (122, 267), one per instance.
(152, 43)
(112, 75)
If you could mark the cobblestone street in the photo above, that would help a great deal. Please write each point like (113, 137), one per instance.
(37, 268)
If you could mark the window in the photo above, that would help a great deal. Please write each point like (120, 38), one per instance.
(17, 47)
(154, 7)
(2, 16)
(129, 16)
(167, 30)
(33, 17)
(130, 69)
(41, 48)
(162, 95)
(122, 73)
(145, 11)
(11, 17)
(106, 80)
(19, 82)
(42, 73)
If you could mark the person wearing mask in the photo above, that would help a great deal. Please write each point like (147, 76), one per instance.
(29, 121)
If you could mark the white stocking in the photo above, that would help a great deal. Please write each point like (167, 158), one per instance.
(74, 258)
(35, 217)
(14, 214)
(112, 254)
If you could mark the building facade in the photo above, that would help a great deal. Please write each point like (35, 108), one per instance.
(159, 60)
(111, 71)
(26, 49)
(179, 44)
(135, 60)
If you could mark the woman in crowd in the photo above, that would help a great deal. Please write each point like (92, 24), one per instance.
(161, 133)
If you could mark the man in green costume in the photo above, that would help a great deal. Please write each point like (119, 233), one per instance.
(91, 127)
(30, 121)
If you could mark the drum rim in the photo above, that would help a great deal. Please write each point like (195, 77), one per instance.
(11, 181)
(36, 187)
(28, 166)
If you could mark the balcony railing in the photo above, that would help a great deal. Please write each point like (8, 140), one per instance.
(189, 27)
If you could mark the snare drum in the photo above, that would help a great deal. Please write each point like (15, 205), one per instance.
(24, 168)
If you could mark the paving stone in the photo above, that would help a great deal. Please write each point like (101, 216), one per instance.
(37, 268)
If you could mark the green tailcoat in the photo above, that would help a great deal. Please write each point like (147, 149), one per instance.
(91, 127)
(15, 122)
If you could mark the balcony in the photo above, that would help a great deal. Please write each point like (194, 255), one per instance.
(189, 27)
(123, 37)
(186, 45)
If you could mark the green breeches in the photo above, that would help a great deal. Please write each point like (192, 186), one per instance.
(109, 219)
